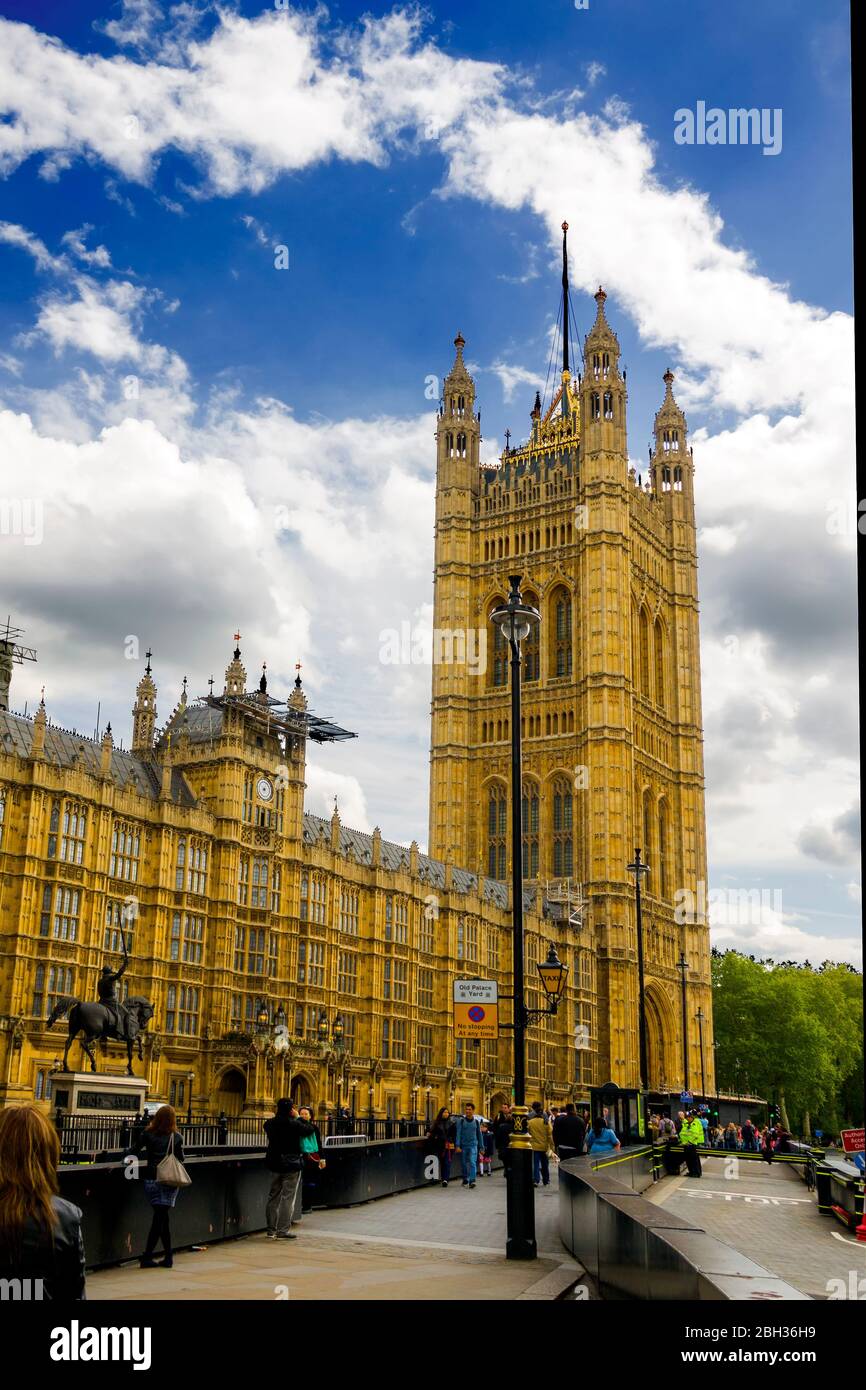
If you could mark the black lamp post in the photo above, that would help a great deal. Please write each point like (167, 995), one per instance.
(639, 869)
(700, 1016)
(682, 966)
(515, 619)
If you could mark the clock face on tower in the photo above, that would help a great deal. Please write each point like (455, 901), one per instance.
(264, 789)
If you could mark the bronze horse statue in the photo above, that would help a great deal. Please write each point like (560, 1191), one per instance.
(97, 1021)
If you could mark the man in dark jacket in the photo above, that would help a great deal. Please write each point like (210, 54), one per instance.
(502, 1131)
(283, 1158)
(568, 1133)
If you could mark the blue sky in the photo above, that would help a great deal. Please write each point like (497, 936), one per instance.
(418, 184)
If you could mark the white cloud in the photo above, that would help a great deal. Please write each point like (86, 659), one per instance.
(263, 97)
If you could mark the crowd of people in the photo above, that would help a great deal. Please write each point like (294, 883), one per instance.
(694, 1131)
(554, 1134)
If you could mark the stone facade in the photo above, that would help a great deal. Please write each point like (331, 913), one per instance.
(611, 713)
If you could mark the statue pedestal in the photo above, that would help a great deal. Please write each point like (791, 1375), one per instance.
(90, 1093)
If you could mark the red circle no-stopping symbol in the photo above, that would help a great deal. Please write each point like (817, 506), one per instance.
(476, 1013)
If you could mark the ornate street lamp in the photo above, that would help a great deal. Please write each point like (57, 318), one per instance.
(639, 870)
(682, 966)
(700, 1018)
(553, 977)
(515, 620)
(323, 1027)
(262, 1031)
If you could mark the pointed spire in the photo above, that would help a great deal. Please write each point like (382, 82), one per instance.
(183, 692)
(236, 676)
(458, 374)
(535, 413)
(565, 366)
(297, 699)
(106, 752)
(39, 725)
(263, 679)
(144, 711)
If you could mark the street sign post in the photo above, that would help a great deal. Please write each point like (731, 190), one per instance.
(476, 1009)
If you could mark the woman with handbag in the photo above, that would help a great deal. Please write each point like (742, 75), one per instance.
(162, 1148)
(440, 1143)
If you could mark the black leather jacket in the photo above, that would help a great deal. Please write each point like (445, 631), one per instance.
(58, 1263)
(284, 1143)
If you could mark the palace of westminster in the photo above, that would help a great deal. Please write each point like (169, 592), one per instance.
(238, 906)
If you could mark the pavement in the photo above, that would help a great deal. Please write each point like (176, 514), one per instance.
(431, 1244)
(766, 1212)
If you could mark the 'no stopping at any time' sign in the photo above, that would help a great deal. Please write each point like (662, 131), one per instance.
(476, 1009)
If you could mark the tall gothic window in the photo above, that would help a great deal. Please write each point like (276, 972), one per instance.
(561, 655)
(532, 647)
(496, 823)
(648, 839)
(563, 829)
(643, 652)
(499, 664)
(530, 829)
(663, 875)
(659, 643)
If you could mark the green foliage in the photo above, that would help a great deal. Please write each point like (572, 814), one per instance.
(792, 1032)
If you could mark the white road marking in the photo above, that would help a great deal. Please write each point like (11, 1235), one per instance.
(747, 1196)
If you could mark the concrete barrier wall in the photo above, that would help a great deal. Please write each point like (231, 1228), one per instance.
(634, 1249)
(228, 1195)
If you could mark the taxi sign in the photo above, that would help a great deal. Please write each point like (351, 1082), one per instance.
(476, 1009)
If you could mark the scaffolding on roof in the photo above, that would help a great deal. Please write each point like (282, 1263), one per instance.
(565, 901)
(279, 715)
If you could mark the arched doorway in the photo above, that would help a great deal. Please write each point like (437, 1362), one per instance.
(660, 1038)
(231, 1092)
(497, 1100)
(300, 1090)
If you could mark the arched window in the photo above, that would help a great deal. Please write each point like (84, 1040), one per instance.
(659, 643)
(531, 647)
(560, 628)
(563, 829)
(496, 831)
(499, 665)
(594, 405)
(608, 405)
(643, 650)
(648, 837)
(530, 829)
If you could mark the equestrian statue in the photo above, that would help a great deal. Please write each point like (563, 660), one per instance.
(109, 1019)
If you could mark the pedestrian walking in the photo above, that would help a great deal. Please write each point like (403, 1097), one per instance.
(161, 1147)
(691, 1137)
(750, 1139)
(467, 1140)
(601, 1139)
(730, 1138)
(440, 1142)
(502, 1130)
(40, 1232)
(486, 1151)
(541, 1143)
(569, 1133)
(284, 1131)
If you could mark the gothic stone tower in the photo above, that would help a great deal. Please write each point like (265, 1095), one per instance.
(612, 736)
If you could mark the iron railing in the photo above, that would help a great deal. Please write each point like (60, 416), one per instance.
(83, 1137)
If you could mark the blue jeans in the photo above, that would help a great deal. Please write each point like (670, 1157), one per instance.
(540, 1167)
(470, 1163)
